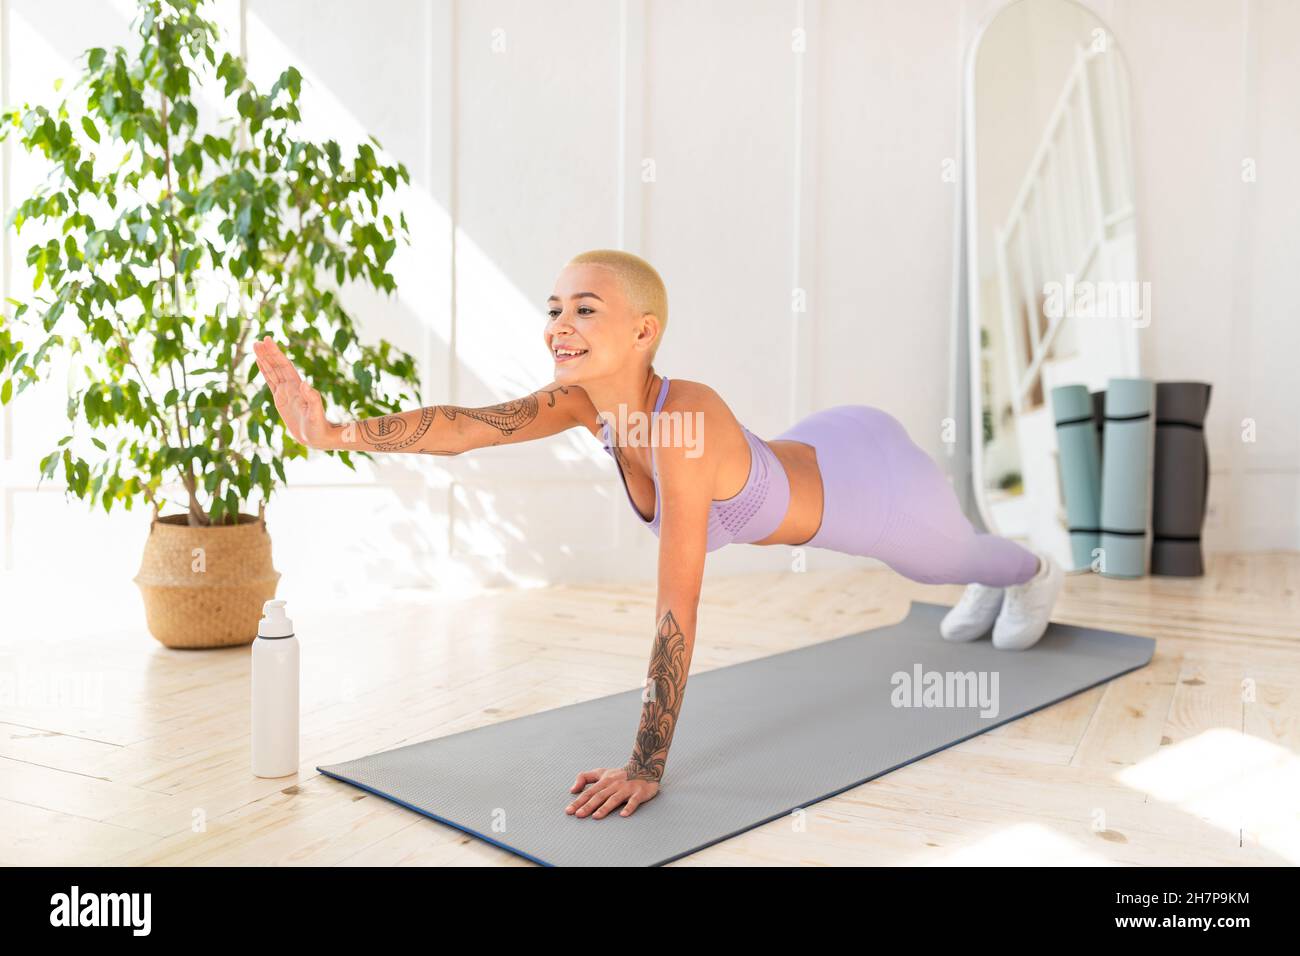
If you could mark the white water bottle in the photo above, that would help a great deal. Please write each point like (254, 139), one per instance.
(275, 694)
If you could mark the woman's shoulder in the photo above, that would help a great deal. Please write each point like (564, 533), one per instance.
(704, 407)
(687, 396)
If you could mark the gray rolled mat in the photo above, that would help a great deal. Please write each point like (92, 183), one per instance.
(755, 741)
(1182, 478)
(1126, 477)
(1080, 458)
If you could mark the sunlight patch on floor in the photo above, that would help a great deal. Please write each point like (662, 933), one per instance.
(1230, 780)
(1022, 844)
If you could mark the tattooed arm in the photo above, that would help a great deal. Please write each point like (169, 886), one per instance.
(452, 429)
(661, 697)
(685, 492)
(433, 430)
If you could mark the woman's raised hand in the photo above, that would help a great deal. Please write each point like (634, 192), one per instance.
(297, 402)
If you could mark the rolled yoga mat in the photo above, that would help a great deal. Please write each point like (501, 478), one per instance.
(1126, 477)
(1080, 457)
(1182, 478)
(1099, 415)
(755, 741)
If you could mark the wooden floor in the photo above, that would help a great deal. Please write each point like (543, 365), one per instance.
(1194, 759)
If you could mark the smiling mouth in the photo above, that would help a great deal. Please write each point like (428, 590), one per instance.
(568, 355)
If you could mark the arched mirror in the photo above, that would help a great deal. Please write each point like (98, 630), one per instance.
(1051, 252)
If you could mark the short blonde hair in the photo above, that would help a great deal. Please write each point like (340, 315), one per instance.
(642, 285)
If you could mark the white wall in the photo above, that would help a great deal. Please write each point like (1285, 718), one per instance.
(773, 170)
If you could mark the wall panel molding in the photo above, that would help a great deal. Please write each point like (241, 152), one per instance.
(805, 201)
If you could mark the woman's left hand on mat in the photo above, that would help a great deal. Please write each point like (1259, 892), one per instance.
(609, 790)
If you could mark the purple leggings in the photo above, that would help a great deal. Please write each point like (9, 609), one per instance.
(883, 497)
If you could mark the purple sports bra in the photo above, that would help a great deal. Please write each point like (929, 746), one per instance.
(750, 515)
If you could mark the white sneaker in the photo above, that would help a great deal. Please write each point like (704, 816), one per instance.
(973, 615)
(1027, 608)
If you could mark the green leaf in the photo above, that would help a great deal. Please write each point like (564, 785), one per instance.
(91, 129)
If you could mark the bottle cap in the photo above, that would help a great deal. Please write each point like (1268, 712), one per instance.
(274, 622)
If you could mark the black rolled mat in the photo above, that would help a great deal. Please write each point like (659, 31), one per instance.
(1182, 478)
(755, 741)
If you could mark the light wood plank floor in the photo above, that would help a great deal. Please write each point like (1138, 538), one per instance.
(116, 750)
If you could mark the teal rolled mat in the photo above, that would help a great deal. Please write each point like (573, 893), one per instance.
(1126, 477)
(1080, 458)
(1182, 478)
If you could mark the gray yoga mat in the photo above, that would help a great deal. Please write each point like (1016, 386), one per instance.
(755, 741)
(1182, 478)
(1079, 453)
(1126, 477)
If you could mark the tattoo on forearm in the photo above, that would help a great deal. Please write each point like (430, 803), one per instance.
(666, 683)
(393, 432)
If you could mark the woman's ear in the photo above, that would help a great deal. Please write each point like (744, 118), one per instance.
(649, 330)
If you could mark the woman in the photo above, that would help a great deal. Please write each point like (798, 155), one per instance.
(847, 478)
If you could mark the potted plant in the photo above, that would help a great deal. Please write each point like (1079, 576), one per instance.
(170, 235)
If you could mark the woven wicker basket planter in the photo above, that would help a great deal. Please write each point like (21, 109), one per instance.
(205, 587)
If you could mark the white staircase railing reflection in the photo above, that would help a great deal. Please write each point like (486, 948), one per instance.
(1076, 193)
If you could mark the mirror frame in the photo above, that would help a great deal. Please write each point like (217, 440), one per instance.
(967, 267)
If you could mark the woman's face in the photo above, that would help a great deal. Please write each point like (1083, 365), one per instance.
(589, 314)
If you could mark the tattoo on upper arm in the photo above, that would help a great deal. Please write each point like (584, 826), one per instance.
(665, 685)
(550, 394)
(390, 432)
(506, 417)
